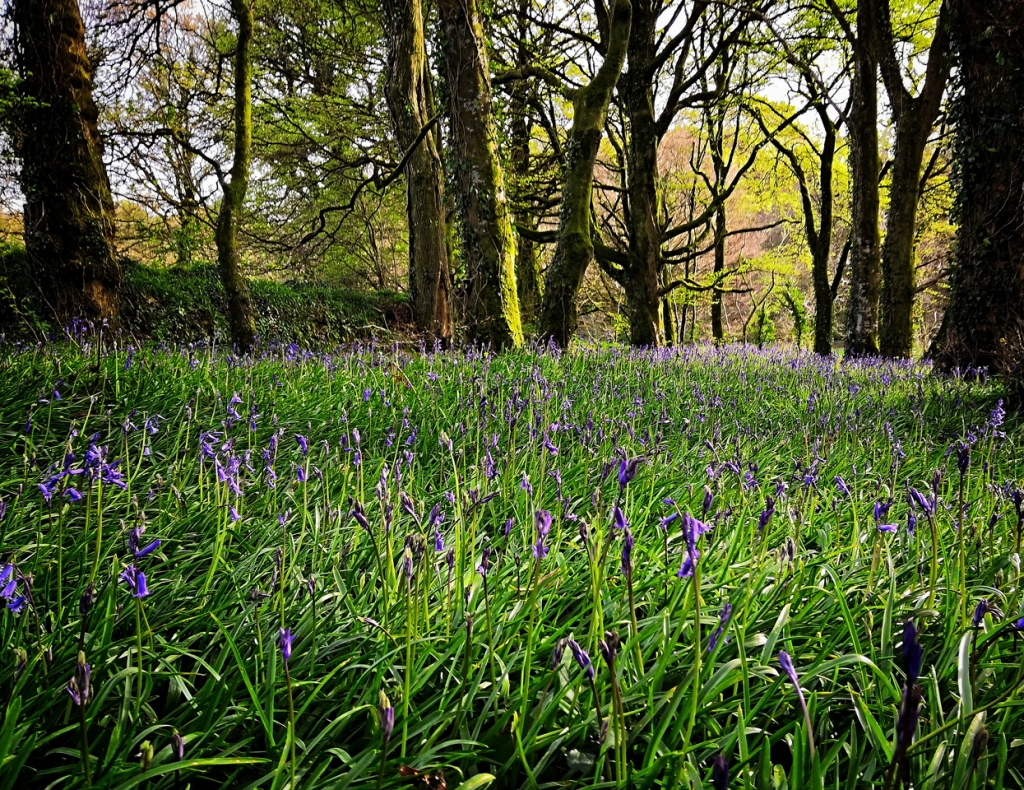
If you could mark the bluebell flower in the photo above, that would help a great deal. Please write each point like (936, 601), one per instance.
(285, 641)
(720, 773)
(887, 528)
(303, 443)
(627, 471)
(582, 658)
(627, 552)
(136, 581)
(16, 605)
(619, 518)
(387, 716)
(79, 687)
(841, 485)
(723, 619)
(543, 518)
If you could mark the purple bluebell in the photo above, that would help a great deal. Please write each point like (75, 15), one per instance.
(387, 716)
(668, 520)
(285, 641)
(881, 511)
(485, 562)
(17, 605)
(508, 526)
(841, 485)
(766, 515)
(709, 499)
(627, 552)
(134, 541)
(619, 518)
(558, 652)
(177, 746)
(720, 773)
(913, 653)
(927, 505)
(582, 658)
(627, 471)
(80, 686)
(887, 528)
(723, 620)
(609, 647)
(136, 581)
(787, 666)
(359, 514)
(980, 611)
(234, 514)
(963, 457)
(543, 519)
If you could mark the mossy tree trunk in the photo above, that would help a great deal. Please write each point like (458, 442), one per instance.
(485, 225)
(574, 248)
(913, 117)
(984, 323)
(865, 261)
(68, 210)
(410, 103)
(229, 257)
(528, 277)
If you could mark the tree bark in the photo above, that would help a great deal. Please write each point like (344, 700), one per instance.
(865, 261)
(716, 145)
(488, 242)
(528, 277)
(643, 197)
(229, 256)
(574, 249)
(68, 210)
(914, 117)
(984, 323)
(409, 102)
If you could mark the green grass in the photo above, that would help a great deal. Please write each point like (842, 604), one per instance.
(466, 660)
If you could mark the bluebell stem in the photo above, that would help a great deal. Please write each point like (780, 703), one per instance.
(720, 773)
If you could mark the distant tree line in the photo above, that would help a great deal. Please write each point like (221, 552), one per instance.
(529, 162)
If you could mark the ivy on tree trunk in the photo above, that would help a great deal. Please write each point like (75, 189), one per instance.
(229, 257)
(410, 103)
(68, 211)
(984, 323)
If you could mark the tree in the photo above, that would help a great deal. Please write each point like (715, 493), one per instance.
(574, 247)
(488, 242)
(410, 101)
(984, 323)
(68, 210)
(862, 125)
(913, 117)
(229, 257)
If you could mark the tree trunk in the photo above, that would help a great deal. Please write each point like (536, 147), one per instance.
(914, 117)
(574, 249)
(717, 325)
(488, 242)
(229, 257)
(865, 263)
(410, 106)
(984, 323)
(821, 242)
(528, 276)
(643, 197)
(68, 211)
